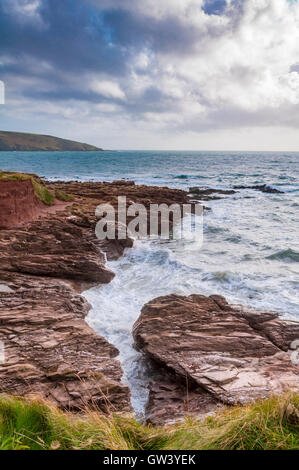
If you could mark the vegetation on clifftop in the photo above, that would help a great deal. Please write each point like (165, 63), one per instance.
(21, 141)
(40, 190)
(34, 424)
(43, 194)
(62, 196)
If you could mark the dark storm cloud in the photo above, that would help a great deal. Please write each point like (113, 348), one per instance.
(73, 38)
(70, 36)
(167, 34)
(197, 64)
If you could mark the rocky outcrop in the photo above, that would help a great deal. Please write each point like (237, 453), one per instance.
(50, 350)
(212, 353)
(209, 194)
(264, 188)
(54, 247)
(44, 263)
(90, 195)
(214, 194)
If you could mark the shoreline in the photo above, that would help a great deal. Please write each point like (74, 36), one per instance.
(44, 255)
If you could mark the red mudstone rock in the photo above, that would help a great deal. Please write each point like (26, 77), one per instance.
(226, 354)
(51, 351)
(89, 195)
(18, 203)
(54, 247)
(49, 348)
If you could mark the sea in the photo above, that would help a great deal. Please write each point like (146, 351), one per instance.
(250, 250)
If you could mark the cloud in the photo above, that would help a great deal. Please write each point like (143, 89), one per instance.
(108, 89)
(172, 66)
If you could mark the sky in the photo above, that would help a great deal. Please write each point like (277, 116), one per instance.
(153, 74)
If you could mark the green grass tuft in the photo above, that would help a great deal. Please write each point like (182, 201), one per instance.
(43, 194)
(62, 196)
(34, 424)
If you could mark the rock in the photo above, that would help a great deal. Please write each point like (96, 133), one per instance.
(18, 203)
(50, 350)
(209, 194)
(264, 188)
(5, 288)
(170, 401)
(54, 247)
(227, 354)
(123, 183)
(92, 194)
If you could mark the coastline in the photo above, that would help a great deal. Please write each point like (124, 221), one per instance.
(41, 257)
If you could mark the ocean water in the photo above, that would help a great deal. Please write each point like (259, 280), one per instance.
(250, 252)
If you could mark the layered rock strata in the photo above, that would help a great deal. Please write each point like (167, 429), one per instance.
(211, 353)
(44, 263)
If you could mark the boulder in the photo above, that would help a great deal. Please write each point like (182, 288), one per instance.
(51, 351)
(223, 353)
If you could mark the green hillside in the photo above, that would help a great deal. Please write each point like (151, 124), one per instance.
(20, 141)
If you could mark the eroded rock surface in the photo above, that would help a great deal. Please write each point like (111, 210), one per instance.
(219, 352)
(50, 350)
(92, 194)
(209, 194)
(18, 203)
(44, 263)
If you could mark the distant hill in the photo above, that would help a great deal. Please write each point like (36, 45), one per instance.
(20, 141)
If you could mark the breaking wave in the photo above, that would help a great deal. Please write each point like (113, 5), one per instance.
(285, 255)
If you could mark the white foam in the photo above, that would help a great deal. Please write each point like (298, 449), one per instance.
(232, 262)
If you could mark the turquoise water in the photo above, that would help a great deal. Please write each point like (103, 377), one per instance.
(178, 169)
(250, 252)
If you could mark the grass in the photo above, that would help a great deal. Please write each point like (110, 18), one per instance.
(37, 425)
(40, 190)
(62, 196)
(43, 193)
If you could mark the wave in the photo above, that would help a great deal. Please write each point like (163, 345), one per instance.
(195, 177)
(221, 276)
(182, 177)
(285, 255)
(215, 229)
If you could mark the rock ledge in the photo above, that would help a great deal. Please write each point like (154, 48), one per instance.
(211, 353)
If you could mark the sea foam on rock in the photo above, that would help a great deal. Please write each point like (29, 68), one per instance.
(49, 348)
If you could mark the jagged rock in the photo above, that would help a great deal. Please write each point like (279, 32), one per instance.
(228, 353)
(209, 194)
(89, 195)
(170, 400)
(56, 248)
(264, 188)
(50, 350)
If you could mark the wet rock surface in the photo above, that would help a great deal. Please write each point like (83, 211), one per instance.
(209, 194)
(264, 188)
(215, 354)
